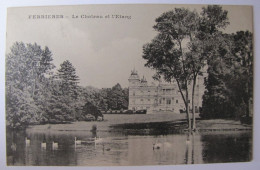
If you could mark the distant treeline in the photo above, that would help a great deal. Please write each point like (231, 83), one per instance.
(115, 98)
(36, 94)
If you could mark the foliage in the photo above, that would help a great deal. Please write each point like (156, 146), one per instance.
(34, 94)
(230, 81)
(115, 98)
(186, 41)
(68, 78)
(91, 109)
(178, 52)
(167, 54)
(26, 69)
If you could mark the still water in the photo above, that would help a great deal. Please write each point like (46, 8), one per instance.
(115, 148)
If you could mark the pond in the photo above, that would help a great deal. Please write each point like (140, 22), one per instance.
(56, 148)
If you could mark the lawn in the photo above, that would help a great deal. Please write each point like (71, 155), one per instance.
(110, 120)
(117, 119)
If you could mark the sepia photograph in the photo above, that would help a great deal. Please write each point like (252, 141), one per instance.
(129, 85)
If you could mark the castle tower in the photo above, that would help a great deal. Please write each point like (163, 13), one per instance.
(143, 81)
(134, 84)
(134, 79)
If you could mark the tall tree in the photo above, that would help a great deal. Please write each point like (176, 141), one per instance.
(243, 55)
(216, 98)
(69, 79)
(178, 51)
(69, 87)
(229, 86)
(212, 19)
(27, 66)
(167, 53)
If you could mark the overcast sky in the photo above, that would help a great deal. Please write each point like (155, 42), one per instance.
(103, 51)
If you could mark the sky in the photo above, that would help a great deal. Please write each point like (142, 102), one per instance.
(103, 51)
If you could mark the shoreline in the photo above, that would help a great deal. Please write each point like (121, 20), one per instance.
(141, 123)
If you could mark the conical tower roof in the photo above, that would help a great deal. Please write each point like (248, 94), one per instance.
(134, 75)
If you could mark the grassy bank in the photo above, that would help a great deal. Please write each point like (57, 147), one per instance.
(142, 122)
(221, 124)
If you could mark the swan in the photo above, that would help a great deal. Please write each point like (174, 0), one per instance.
(157, 145)
(77, 142)
(98, 140)
(187, 141)
(107, 149)
(43, 145)
(27, 141)
(54, 145)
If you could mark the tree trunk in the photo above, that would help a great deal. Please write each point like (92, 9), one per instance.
(185, 100)
(187, 109)
(193, 108)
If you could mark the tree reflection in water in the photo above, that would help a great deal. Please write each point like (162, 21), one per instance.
(122, 149)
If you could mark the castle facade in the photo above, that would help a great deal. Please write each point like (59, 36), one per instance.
(164, 97)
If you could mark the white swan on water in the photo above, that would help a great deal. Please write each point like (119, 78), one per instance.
(43, 145)
(77, 142)
(159, 145)
(54, 145)
(98, 140)
(27, 141)
(187, 142)
(107, 149)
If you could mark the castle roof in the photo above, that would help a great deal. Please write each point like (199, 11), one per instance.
(143, 80)
(134, 75)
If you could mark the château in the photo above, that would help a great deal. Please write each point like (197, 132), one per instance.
(164, 97)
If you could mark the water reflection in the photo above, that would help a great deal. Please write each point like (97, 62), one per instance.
(227, 147)
(61, 148)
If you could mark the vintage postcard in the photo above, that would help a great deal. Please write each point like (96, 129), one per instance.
(129, 85)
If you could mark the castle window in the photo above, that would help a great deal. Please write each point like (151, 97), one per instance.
(168, 101)
(176, 101)
(133, 93)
